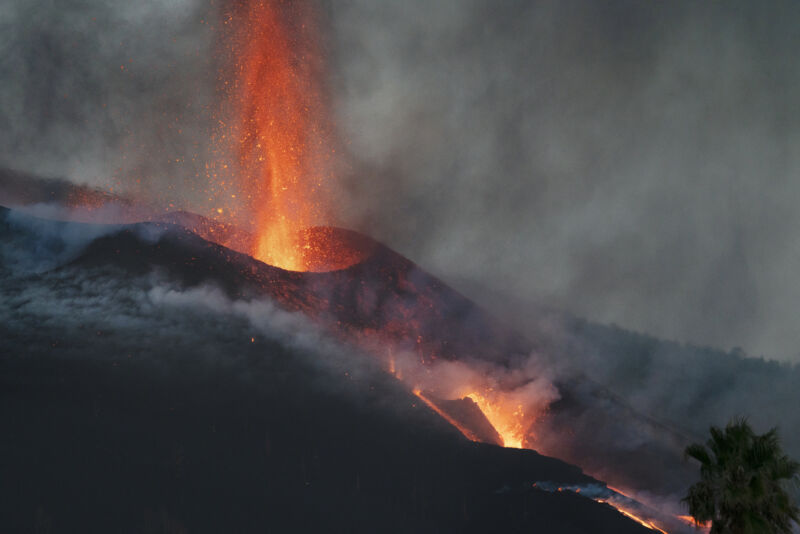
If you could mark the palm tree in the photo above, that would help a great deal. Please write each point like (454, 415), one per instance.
(743, 477)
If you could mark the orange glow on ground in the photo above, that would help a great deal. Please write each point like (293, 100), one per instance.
(507, 418)
(689, 520)
(626, 513)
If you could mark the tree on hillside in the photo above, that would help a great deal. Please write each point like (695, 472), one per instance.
(743, 482)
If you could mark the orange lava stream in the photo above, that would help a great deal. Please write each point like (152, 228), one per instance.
(626, 513)
(279, 140)
(689, 520)
(508, 421)
(467, 433)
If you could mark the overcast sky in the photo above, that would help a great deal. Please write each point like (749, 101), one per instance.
(630, 162)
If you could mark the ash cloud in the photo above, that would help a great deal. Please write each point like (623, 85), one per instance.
(630, 163)
(109, 93)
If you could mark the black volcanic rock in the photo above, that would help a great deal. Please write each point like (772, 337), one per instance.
(390, 301)
(118, 445)
(467, 414)
(122, 412)
(386, 300)
(385, 294)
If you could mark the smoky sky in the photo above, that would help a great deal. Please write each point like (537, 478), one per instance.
(629, 162)
(109, 93)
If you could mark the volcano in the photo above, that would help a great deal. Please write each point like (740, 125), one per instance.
(122, 413)
(367, 297)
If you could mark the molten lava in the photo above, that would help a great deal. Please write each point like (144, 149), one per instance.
(506, 417)
(689, 520)
(644, 522)
(279, 137)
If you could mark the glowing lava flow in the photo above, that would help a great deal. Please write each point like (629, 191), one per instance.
(467, 433)
(626, 513)
(508, 421)
(625, 505)
(689, 520)
(280, 137)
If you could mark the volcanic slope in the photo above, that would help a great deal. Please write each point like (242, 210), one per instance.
(137, 400)
(385, 302)
(686, 386)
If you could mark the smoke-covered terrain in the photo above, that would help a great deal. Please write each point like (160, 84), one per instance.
(140, 401)
(685, 385)
(71, 288)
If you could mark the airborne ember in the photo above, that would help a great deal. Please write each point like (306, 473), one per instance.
(279, 135)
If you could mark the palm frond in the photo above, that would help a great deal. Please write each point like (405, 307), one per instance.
(743, 479)
(698, 452)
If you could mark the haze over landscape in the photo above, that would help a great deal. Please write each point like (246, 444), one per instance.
(435, 268)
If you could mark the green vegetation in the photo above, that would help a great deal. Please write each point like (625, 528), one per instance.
(743, 482)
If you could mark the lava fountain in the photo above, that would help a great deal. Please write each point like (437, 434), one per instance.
(279, 141)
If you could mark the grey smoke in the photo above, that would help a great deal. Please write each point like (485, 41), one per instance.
(632, 162)
(109, 93)
(628, 162)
